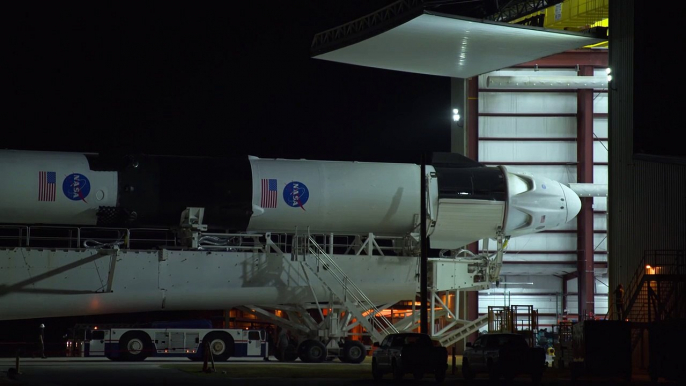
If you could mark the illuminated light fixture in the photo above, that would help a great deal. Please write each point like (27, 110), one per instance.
(456, 116)
(608, 71)
(547, 82)
(648, 266)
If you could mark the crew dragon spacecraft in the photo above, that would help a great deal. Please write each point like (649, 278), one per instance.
(466, 201)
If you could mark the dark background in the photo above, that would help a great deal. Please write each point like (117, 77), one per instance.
(657, 106)
(212, 81)
(235, 79)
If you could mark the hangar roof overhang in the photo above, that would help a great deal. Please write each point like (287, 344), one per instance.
(426, 42)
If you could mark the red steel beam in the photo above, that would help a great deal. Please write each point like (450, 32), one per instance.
(597, 58)
(536, 139)
(564, 293)
(473, 118)
(534, 90)
(584, 151)
(533, 251)
(472, 299)
(538, 163)
(599, 264)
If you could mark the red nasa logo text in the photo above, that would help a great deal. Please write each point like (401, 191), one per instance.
(76, 187)
(296, 194)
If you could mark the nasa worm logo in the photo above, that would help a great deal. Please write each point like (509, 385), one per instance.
(296, 194)
(76, 187)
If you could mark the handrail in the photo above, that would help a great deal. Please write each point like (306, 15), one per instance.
(73, 237)
(359, 297)
(669, 262)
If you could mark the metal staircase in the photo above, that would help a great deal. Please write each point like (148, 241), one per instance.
(357, 303)
(461, 333)
(655, 291)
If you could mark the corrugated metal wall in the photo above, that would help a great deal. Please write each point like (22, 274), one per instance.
(647, 200)
(647, 209)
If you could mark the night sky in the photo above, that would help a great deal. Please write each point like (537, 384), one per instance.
(212, 81)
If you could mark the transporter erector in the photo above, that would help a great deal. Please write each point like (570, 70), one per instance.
(271, 237)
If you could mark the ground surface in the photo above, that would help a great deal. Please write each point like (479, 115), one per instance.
(253, 372)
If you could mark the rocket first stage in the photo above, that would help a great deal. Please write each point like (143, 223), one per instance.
(466, 201)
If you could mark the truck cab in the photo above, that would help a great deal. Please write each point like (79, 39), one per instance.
(95, 345)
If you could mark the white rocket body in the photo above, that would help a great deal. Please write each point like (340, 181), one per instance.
(465, 203)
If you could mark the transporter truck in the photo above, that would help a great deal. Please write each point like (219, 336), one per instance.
(176, 339)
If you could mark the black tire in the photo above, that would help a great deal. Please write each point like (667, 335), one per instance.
(467, 371)
(493, 372)
(221, 345)
(536, 378)
(397, 371)
(354, 352)
(312, 351)
(135, 346)
(289, 355)
(440, 374)
(509, 374)
(376, 372)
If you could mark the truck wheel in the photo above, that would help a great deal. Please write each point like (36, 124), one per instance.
(221, 345)
(135, 346)
(290, 353)
(376, 372)
(510, 374)
(467, 371)
(493, 373)
(440, 375)
(287, 355)
(397, 371)
(354, 351)
(312, 351)
(536, 378)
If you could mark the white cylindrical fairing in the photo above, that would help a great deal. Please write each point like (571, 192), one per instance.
(340, 197)
(52, 188)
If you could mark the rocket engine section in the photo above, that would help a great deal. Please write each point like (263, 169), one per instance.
(466, 201)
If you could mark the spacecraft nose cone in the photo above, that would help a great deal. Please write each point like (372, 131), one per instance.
(573, 202)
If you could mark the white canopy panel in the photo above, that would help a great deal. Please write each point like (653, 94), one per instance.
(446, 45)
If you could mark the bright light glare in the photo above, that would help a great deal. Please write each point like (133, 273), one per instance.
(608, 70)
(455, 111)
(456, 117)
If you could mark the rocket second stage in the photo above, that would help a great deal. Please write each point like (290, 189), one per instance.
(467, 201)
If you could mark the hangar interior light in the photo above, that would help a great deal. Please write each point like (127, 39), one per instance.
(456, 115)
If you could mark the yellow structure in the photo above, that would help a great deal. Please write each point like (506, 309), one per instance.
(575, 15)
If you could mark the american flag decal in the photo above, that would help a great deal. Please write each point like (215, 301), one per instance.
(268, 193)
(46, 186)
